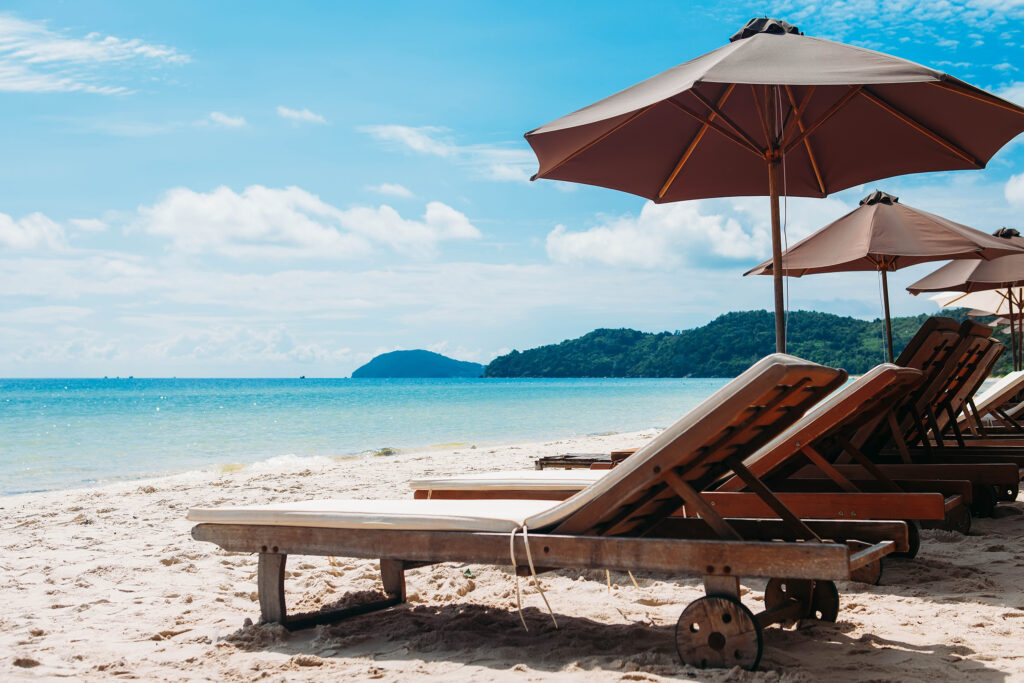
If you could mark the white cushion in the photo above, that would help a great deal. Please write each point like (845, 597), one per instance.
(438, 515)
(998, 393)
(516, 480)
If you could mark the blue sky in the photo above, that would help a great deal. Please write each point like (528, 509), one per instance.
(267, 189)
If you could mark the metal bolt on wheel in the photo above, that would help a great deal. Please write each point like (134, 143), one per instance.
(718, 631)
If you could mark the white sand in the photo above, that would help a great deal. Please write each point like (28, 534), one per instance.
(107, 583)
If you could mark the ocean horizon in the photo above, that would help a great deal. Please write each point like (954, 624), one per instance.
(70, 433)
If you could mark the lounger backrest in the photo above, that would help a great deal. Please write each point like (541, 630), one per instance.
(932, 351)
(858, 403)
(996, 396)
(735, 421)
(962, 386)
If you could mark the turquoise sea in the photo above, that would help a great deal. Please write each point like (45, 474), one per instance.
(58, 434)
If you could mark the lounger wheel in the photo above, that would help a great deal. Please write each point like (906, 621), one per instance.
(1006, 493)
(821, 598)
(914, 538)
(718, 631)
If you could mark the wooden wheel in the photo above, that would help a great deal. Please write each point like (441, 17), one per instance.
(820, 598)
(825, 600)
(718, 631)
(871, 573)
(780, 591)
(914, 539)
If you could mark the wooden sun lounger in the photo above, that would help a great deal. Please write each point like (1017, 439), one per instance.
(621, 522)
(836, 498)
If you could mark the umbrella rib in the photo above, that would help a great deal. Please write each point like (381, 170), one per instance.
(829, 113)
(807, 143)
(692, 146)
(980, 95)
(798, 111)
(718, 128)
(760, 114)
(729, 122)
(920, 127)
(593, 142)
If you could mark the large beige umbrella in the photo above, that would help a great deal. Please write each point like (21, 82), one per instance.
(884, 235)
(775, 113)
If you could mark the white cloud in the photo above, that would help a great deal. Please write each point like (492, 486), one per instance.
(494, 162)
(35, 58)
(222, 119)
(44, 315)
(290, 222)
(34, 231)
(1004, 66)
(300, 115)
(88, 224)
(1014, 92)
(424, 139)
(661, 236)
(391, 189)
(713, 233)
(1014, 190)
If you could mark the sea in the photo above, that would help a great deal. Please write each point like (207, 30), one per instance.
(58, 434)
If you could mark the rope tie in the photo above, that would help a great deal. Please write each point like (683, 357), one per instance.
(533, 573)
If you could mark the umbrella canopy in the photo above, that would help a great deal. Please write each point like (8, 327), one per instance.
(976, 276)
(993, 301)
(1000, 278)
(884, 235)
(776, 112)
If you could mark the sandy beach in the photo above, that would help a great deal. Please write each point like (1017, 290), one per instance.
(106, 583)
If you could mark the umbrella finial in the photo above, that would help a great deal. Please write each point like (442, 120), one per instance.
(1006, 233)
(765, 25)
(878, 197)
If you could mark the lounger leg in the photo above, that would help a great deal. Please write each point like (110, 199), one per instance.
(392, 575)
(722, 585)
(270, 582)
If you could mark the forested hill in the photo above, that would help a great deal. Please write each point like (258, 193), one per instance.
(725, 347)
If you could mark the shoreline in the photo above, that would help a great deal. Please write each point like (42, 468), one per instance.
(106, 582)
(289, 461)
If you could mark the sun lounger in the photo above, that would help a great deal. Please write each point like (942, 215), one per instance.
(872, 495)
(993, 410)
(620, 522)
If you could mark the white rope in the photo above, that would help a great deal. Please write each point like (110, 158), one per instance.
(512, 554)
(533, 573)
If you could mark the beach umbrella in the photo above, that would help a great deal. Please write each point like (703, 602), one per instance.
(776, 113)
(1002, 278)
(884, 235)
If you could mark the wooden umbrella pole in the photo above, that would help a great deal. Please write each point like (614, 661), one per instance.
(774, 160)
(1013, 336)
(888, 320)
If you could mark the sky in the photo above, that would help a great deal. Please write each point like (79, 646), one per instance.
(258, 189)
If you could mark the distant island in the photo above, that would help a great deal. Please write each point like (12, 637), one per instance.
(417, 363)
(725, 347)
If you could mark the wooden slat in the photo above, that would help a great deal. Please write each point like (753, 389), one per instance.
(700, 557)
(834, 505)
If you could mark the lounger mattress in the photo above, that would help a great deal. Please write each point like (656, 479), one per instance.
(426, 515)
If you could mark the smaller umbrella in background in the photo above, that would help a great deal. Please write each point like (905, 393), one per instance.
(993, 302)
(993, 286)
(884, 235)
